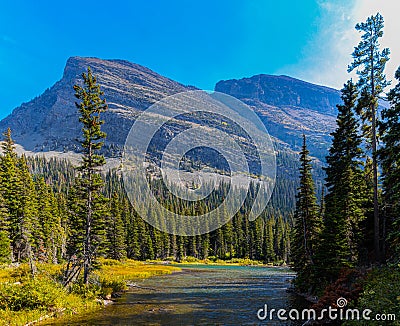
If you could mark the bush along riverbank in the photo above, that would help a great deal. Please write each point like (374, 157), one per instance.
(375, 289)
(212, 260)
(26, 299)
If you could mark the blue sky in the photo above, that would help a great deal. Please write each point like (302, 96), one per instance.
(193, 42)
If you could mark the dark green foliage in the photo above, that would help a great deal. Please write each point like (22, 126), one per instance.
(115, 243)
(390, 158)
(87, 203)
(10, 188)
(30, 222)
(380, 294)
(5, 248)
(239, 238)
(369, 62)
(57, 226)
(52, 213)
(346, 197)
(51, 236)
(17, 190)
(5, 245)
(307, 225)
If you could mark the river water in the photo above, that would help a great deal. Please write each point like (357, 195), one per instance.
(200, 295)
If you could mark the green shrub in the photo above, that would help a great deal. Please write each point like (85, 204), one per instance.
(33, 294)
(110, 262)
(90, 291)
(5, 248)
(381, 294)
(20, 273)
(109, 287)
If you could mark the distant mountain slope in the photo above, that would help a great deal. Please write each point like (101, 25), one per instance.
(50, 121)
(289, 107)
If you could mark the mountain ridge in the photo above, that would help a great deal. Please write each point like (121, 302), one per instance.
(49, 121)
(287, 106)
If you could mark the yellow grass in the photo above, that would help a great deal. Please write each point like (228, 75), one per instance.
(113, 275)
(132, 269)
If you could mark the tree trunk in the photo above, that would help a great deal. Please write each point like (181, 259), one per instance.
(377, 248)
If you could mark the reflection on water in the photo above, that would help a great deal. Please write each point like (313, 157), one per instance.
(200, 295)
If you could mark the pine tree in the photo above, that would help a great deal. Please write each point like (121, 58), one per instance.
(256, 239)
(5, 245)
(390, 157)
(132, 235)
(116, 248)
(307, 225)
(45, 216)
(369, 62)
(346, 193)
(228, 236)
(180, 248)
(10, 189)
(268, 241)
(27, 219)
(50, 232)
(279, 238)
(87, 203)
(205, 245)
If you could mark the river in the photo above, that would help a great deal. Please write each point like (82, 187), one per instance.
(200, 295)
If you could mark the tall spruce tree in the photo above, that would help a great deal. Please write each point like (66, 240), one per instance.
(116, 235)
(268, 240)
(18, 194)
(50, 233)
(28, 222)
(6, 164)
(5, 245)
(88, 206)
(307, 225)
(346, 195)
(390, 158)
(10, 187)
(369, 63)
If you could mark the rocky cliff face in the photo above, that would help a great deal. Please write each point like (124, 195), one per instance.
(282, 91)
(287, 106)
(50, 121)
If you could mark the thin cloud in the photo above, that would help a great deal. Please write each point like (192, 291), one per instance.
(389, 10)
(326, 57)
(7, 39)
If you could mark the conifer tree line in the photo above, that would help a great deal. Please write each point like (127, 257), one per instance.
(357, 223)
(126, 234)
(31, 213)
(54, 212)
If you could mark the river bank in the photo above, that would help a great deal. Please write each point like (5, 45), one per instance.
(201, 294)
(216, 261)
(25, 300)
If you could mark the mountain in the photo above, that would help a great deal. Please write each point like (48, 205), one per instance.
(289, 107)
(49, 122)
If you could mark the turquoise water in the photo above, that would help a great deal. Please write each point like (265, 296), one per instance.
(200, 295)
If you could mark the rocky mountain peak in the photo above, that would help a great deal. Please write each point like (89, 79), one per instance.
(49, 122)
(282, 91)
